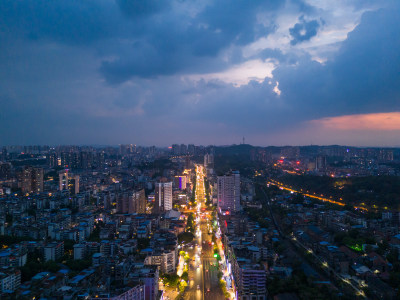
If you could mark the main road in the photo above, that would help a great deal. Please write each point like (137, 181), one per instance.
(308, 194)
(203, 270)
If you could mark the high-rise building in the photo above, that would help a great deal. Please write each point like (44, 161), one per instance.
(86, 160)
(122, 200)
(385, 155)
(320, 163)
(10, 280)
(31, 180)
(79, 251)
(163, 197)
(73, 184)
(63, 180)
(37, 180)
(187, 162)
(251, 280)
(100, 160)
(180, 182)
(5, 171)
(24, 180)
(52, 159)
(209, 161)
(396, 218)
(126, 149)
(229, 192)
(152, 150)
(4, 154)
(184, 149)
(176, 149)
(70, 160)
(53, 251)
(137, 202)
(191, 149)
(68, 181)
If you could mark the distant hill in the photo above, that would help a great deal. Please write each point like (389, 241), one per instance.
(242, 149)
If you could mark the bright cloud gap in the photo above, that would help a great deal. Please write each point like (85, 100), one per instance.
(251, 70)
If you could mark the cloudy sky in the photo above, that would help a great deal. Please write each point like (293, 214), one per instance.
(155, 72)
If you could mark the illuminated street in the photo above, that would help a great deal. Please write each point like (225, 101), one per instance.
(203, 270)
(313, 196)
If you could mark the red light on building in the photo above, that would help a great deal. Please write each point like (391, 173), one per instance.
(298, 162)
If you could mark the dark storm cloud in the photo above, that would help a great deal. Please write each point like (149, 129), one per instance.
(181, 44)
(66, 21)
(140, 8)
(304, 7)
(362, 78)
(303, 31)
(236, 19)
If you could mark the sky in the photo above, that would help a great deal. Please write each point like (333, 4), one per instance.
(277, 72)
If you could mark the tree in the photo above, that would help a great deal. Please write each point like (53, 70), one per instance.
(298, 199)
(9, 240)
(185, 276)
(368, 249)
(170, 279)
(186, 258)
(190, 223)
(31, 212)
(142, 243)
(69, 245)
(9, 219)
(182, 285)
(185, 237)
(78, 265)
(51, 266)
(394, 279)
(219, 275)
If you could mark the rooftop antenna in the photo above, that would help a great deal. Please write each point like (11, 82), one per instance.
(243, 140)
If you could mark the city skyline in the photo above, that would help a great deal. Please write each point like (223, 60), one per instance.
(200, 72)
(16, 148)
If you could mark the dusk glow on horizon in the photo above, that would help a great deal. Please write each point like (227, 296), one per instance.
(374, 121)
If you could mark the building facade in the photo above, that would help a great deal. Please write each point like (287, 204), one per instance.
(137, 202)
(163, 197)
(229, 192)
(68, 181)
(10, 279)
(31, 180)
